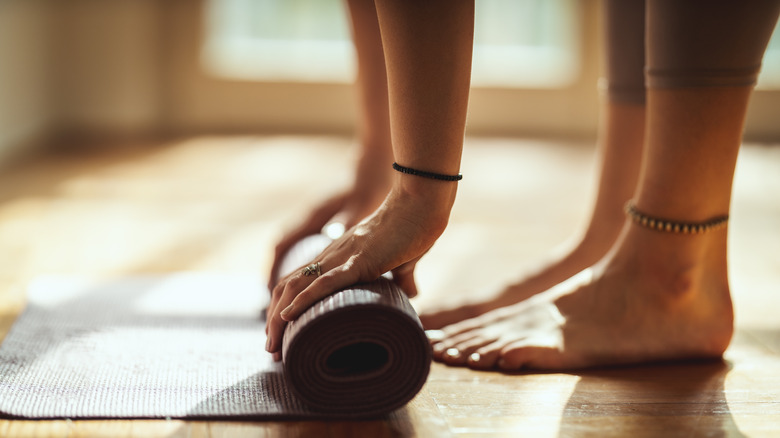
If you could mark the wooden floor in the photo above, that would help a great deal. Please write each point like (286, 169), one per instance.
(218, 203)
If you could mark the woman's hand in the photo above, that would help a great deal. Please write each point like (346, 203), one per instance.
(346, 208)
(392, 239)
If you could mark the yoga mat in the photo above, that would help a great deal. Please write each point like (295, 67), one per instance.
(361, 350)
(191, 345)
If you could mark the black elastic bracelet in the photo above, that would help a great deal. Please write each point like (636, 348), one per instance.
(424, 174)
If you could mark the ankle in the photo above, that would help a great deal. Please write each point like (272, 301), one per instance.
(680, 209)
(661, 223)
(677, 266)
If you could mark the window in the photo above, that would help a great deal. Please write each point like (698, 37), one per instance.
(770, 70)
(518, 43)
(279, 40)
(525, 44)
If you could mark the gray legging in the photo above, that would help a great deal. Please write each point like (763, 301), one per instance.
(688, 43)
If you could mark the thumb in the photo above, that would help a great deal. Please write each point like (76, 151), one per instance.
(403, 276)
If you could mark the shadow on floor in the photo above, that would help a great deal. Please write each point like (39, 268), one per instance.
(651, 400)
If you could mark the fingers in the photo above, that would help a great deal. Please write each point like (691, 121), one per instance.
(323, 286)
(298, 294)
(281, 249)
(314, 222)
(403, 276)
(282, 296)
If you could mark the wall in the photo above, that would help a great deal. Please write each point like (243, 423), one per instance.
(129, 67)
(107, 66)
(25, 98)
(76, 67)
(763, 117)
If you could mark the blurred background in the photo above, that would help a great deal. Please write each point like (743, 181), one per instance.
(96, 68)
(157, 136)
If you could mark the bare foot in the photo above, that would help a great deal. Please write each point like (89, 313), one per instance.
(620, 157)
(549, 273)
(657, 296)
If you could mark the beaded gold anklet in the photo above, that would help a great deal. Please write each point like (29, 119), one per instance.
(672, 226)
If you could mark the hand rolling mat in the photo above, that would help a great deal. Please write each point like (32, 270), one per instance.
(192, 346)
(362, 349)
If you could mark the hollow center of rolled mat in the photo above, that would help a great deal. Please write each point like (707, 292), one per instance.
(356, 359)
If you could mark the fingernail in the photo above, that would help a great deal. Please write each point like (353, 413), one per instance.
(454, 353)
(438, 348)
(268, 345)
(286, 312)
(475, 357)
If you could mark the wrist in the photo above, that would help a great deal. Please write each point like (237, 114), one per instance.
(430, 200)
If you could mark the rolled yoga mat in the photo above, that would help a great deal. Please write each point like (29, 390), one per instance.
(359, 352)
(190, 345)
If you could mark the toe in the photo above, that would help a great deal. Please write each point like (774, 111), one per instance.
(443, 318)
(485, 358)
(435, 336)
(462, 327)
(440, 349)
(460, 353)
(525, 354)
(452, 356)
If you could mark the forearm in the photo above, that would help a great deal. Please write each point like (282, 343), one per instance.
(427, 47)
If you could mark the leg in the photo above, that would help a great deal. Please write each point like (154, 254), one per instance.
(656, 295)
(620, 150)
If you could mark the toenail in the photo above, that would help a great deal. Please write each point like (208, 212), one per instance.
(453, 353)
(475, 357)
(434, 335)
